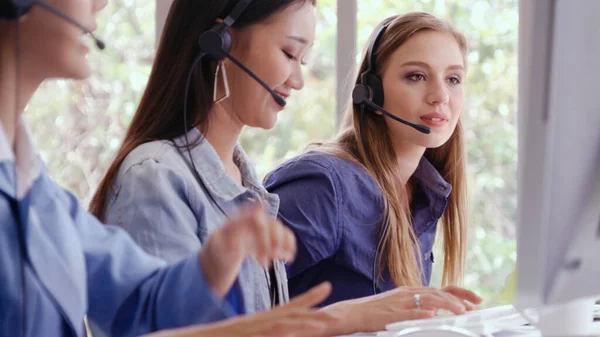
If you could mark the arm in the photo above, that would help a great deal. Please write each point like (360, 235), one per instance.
(131, 292)
(310, 206)
(295, 319)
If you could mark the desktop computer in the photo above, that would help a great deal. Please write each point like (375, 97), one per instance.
(558, 226)
(558, 238)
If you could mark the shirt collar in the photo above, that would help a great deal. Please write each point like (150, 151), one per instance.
(429, 176)
(212, 172)
(28, 163)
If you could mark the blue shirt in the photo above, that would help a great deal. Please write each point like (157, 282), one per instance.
(157, 199)
(336, 211)
(73, 265)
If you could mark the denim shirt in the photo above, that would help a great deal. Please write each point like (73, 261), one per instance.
(335, 209)
(71, 265)
(158, 200)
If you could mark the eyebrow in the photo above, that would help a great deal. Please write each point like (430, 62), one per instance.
(298, 38)
(425, 65)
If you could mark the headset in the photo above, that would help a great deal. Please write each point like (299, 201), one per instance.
(368, 92)
(215, 45)
(15, 9)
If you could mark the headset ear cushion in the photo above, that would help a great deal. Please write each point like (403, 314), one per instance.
(374, 82)
(360, 93)
(13, 9)
(215, 42)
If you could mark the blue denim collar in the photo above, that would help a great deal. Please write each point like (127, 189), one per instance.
(212, 172)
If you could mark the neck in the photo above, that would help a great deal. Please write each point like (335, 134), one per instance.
(223, 133)
(408, 156)
(13, 99)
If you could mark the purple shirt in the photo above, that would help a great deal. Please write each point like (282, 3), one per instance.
(336, 211)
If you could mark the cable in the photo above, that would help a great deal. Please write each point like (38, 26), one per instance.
(187, 143)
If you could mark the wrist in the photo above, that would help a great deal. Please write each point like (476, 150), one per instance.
(210, 274)
(351, 320)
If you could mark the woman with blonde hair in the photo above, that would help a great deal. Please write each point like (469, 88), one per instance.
(365, 206)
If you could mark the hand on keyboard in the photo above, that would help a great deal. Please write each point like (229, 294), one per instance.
(370, 314)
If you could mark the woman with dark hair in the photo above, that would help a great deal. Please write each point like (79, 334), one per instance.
(180, 172)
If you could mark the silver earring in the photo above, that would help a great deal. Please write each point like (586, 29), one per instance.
(221, 67)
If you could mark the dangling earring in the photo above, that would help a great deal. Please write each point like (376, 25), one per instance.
(221, 66)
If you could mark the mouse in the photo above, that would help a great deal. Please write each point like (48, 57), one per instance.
(435, 331)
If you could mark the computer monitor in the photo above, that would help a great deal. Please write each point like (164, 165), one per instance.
(558, 227)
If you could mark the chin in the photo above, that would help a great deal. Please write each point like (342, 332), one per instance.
(268, 125)
(269, 121)
(81, 72)
(79, 68)
(434, 142)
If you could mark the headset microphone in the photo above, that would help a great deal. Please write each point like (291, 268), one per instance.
(216, 43)
(65, 17)
(14, 9)
(211, 46)
(360, 95)
(368, 92)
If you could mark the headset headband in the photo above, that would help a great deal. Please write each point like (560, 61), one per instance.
(239, 8)
(371, 53)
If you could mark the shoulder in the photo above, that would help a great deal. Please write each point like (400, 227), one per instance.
(339, 170)
(160, 155)
(155, 151)
(153, 165)
(313, 162)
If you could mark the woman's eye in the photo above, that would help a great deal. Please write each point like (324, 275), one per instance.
(416, 77)
(454, 80)
(290, 56)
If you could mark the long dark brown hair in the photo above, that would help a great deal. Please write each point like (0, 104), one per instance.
(160, 113)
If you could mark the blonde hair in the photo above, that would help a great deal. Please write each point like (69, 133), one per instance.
(369, 146)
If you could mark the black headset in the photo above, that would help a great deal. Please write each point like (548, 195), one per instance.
(368, 92)
(216, 42)
(369, 83)
(14, 9)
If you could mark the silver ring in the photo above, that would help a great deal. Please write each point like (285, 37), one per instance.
(417, 299)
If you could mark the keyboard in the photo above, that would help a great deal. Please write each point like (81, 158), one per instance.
(497, 320)
(485, 321)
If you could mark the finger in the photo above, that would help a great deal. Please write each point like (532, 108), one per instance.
(433, 301)
(463, 294)
(277, 239)
(311, 297)
(262, 234)
(289, 247)
(470, 306)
